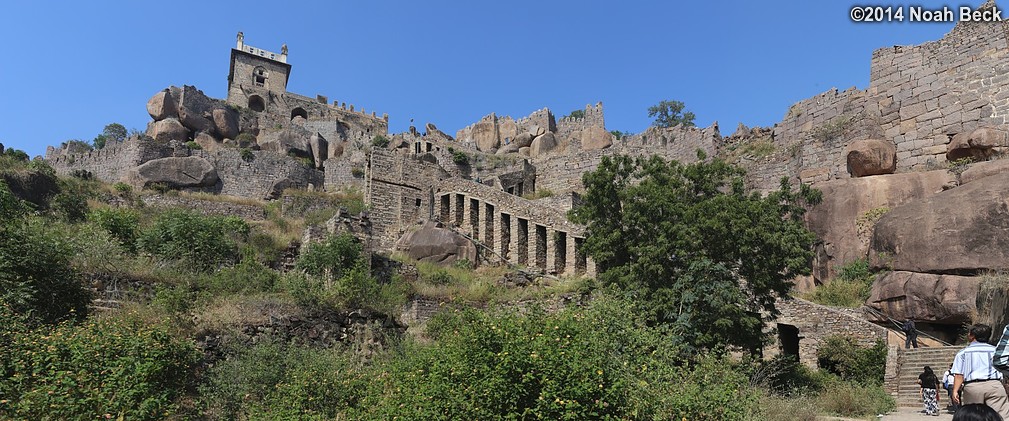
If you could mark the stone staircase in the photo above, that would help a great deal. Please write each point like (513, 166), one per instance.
(912, 361)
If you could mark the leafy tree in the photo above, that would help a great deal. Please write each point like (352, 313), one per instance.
(114, 132)
(99, 141)
(703, 255)
(379, 141)
(670, 113)
(575, 114)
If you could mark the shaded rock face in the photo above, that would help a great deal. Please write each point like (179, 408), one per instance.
(174, 172)
(871, 157)
(168, 129)
(319, 147)
(943, 299)
(226, 122)
(977, 144)
(843, 220)
(433, 243)
(963, 230)
(291, 140)
(596, 138)
(162, 106)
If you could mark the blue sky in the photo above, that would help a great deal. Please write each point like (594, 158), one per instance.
(70, 68)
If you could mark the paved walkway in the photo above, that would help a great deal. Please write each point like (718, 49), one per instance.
(910, 414)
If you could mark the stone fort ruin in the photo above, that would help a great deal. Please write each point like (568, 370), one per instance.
(924, 138)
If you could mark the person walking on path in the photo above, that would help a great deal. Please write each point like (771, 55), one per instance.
(910, 333)
(975, 379)
(947, 383)
(929, 391)
(976, 412)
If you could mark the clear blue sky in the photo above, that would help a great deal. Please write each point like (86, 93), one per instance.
(71, 67)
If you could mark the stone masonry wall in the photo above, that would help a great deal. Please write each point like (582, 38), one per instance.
(919, 96)
(816, 322)
(563, 173)
(265, 176)
(398, 193)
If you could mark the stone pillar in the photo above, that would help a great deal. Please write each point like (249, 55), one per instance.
(513, 241)
(502, 245)
(570, 257)
(466, 226)
(551, 250)
(539, 234)
(487, 225)
(474, 218)
(522, 239)
(458, 209)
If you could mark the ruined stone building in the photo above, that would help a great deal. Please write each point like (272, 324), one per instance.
(882, 156)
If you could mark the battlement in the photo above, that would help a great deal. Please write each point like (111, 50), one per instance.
(241, 46)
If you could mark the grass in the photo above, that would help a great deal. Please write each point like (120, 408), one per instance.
(850, 288)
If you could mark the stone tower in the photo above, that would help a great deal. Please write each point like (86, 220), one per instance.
(257, 76)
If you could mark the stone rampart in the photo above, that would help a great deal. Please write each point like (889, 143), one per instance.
(803, 326)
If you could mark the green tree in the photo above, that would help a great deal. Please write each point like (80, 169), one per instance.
(575, 114)
(687, 240)
(670, 113)
(114, 132)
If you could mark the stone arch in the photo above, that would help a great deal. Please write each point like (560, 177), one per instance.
(299, 112)
(256, 103)
(259, 76)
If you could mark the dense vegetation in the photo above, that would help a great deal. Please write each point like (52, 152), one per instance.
(177, 351)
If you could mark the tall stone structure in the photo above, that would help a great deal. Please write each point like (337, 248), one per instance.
(256, 75)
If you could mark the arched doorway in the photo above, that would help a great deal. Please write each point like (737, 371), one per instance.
(256, 103)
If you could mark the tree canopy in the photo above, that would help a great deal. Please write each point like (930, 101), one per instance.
(693, 247)
(670, 113)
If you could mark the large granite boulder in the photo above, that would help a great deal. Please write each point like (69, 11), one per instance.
(542, 145)
(433, 243)
(162, 106)
(195, 121)
(871, 157)
(596, 138)
(943, 299)
(977, 144)
(523, 140)
(292, 140)
(225, 122)
(319, 147)
(961, 230)
(507, 129)
(981, 170)
(843, 220)
(168, 129)
(207, 142)
(174, 172)
(435, 135)
(485, 134)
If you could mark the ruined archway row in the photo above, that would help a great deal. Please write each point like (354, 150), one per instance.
(513, 235)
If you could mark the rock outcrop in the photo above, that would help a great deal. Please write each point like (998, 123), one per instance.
(596, 138)
(174, 172)
(843, 220)
(943, 299)
(542, 145)
(432, 243)
(963, 230)
(162, 106)
(977, 144)
(871, 157)
(168, 129)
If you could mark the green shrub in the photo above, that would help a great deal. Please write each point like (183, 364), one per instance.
(246, 155)
(849, 399)
(275, 381)
(332, 257)
(122, 187)
(841, 355)
(460, 158)
(71, 203)
(193, 145)
(379, 141)
(190, 238)
(247, 276)
(121, 223)
(850, 288)
(107, 367)
(37, 281)
(244, 138)
(16, 154)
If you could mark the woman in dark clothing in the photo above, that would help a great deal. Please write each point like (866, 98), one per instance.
(929, 391)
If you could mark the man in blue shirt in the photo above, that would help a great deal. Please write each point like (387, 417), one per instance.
(975, 376)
